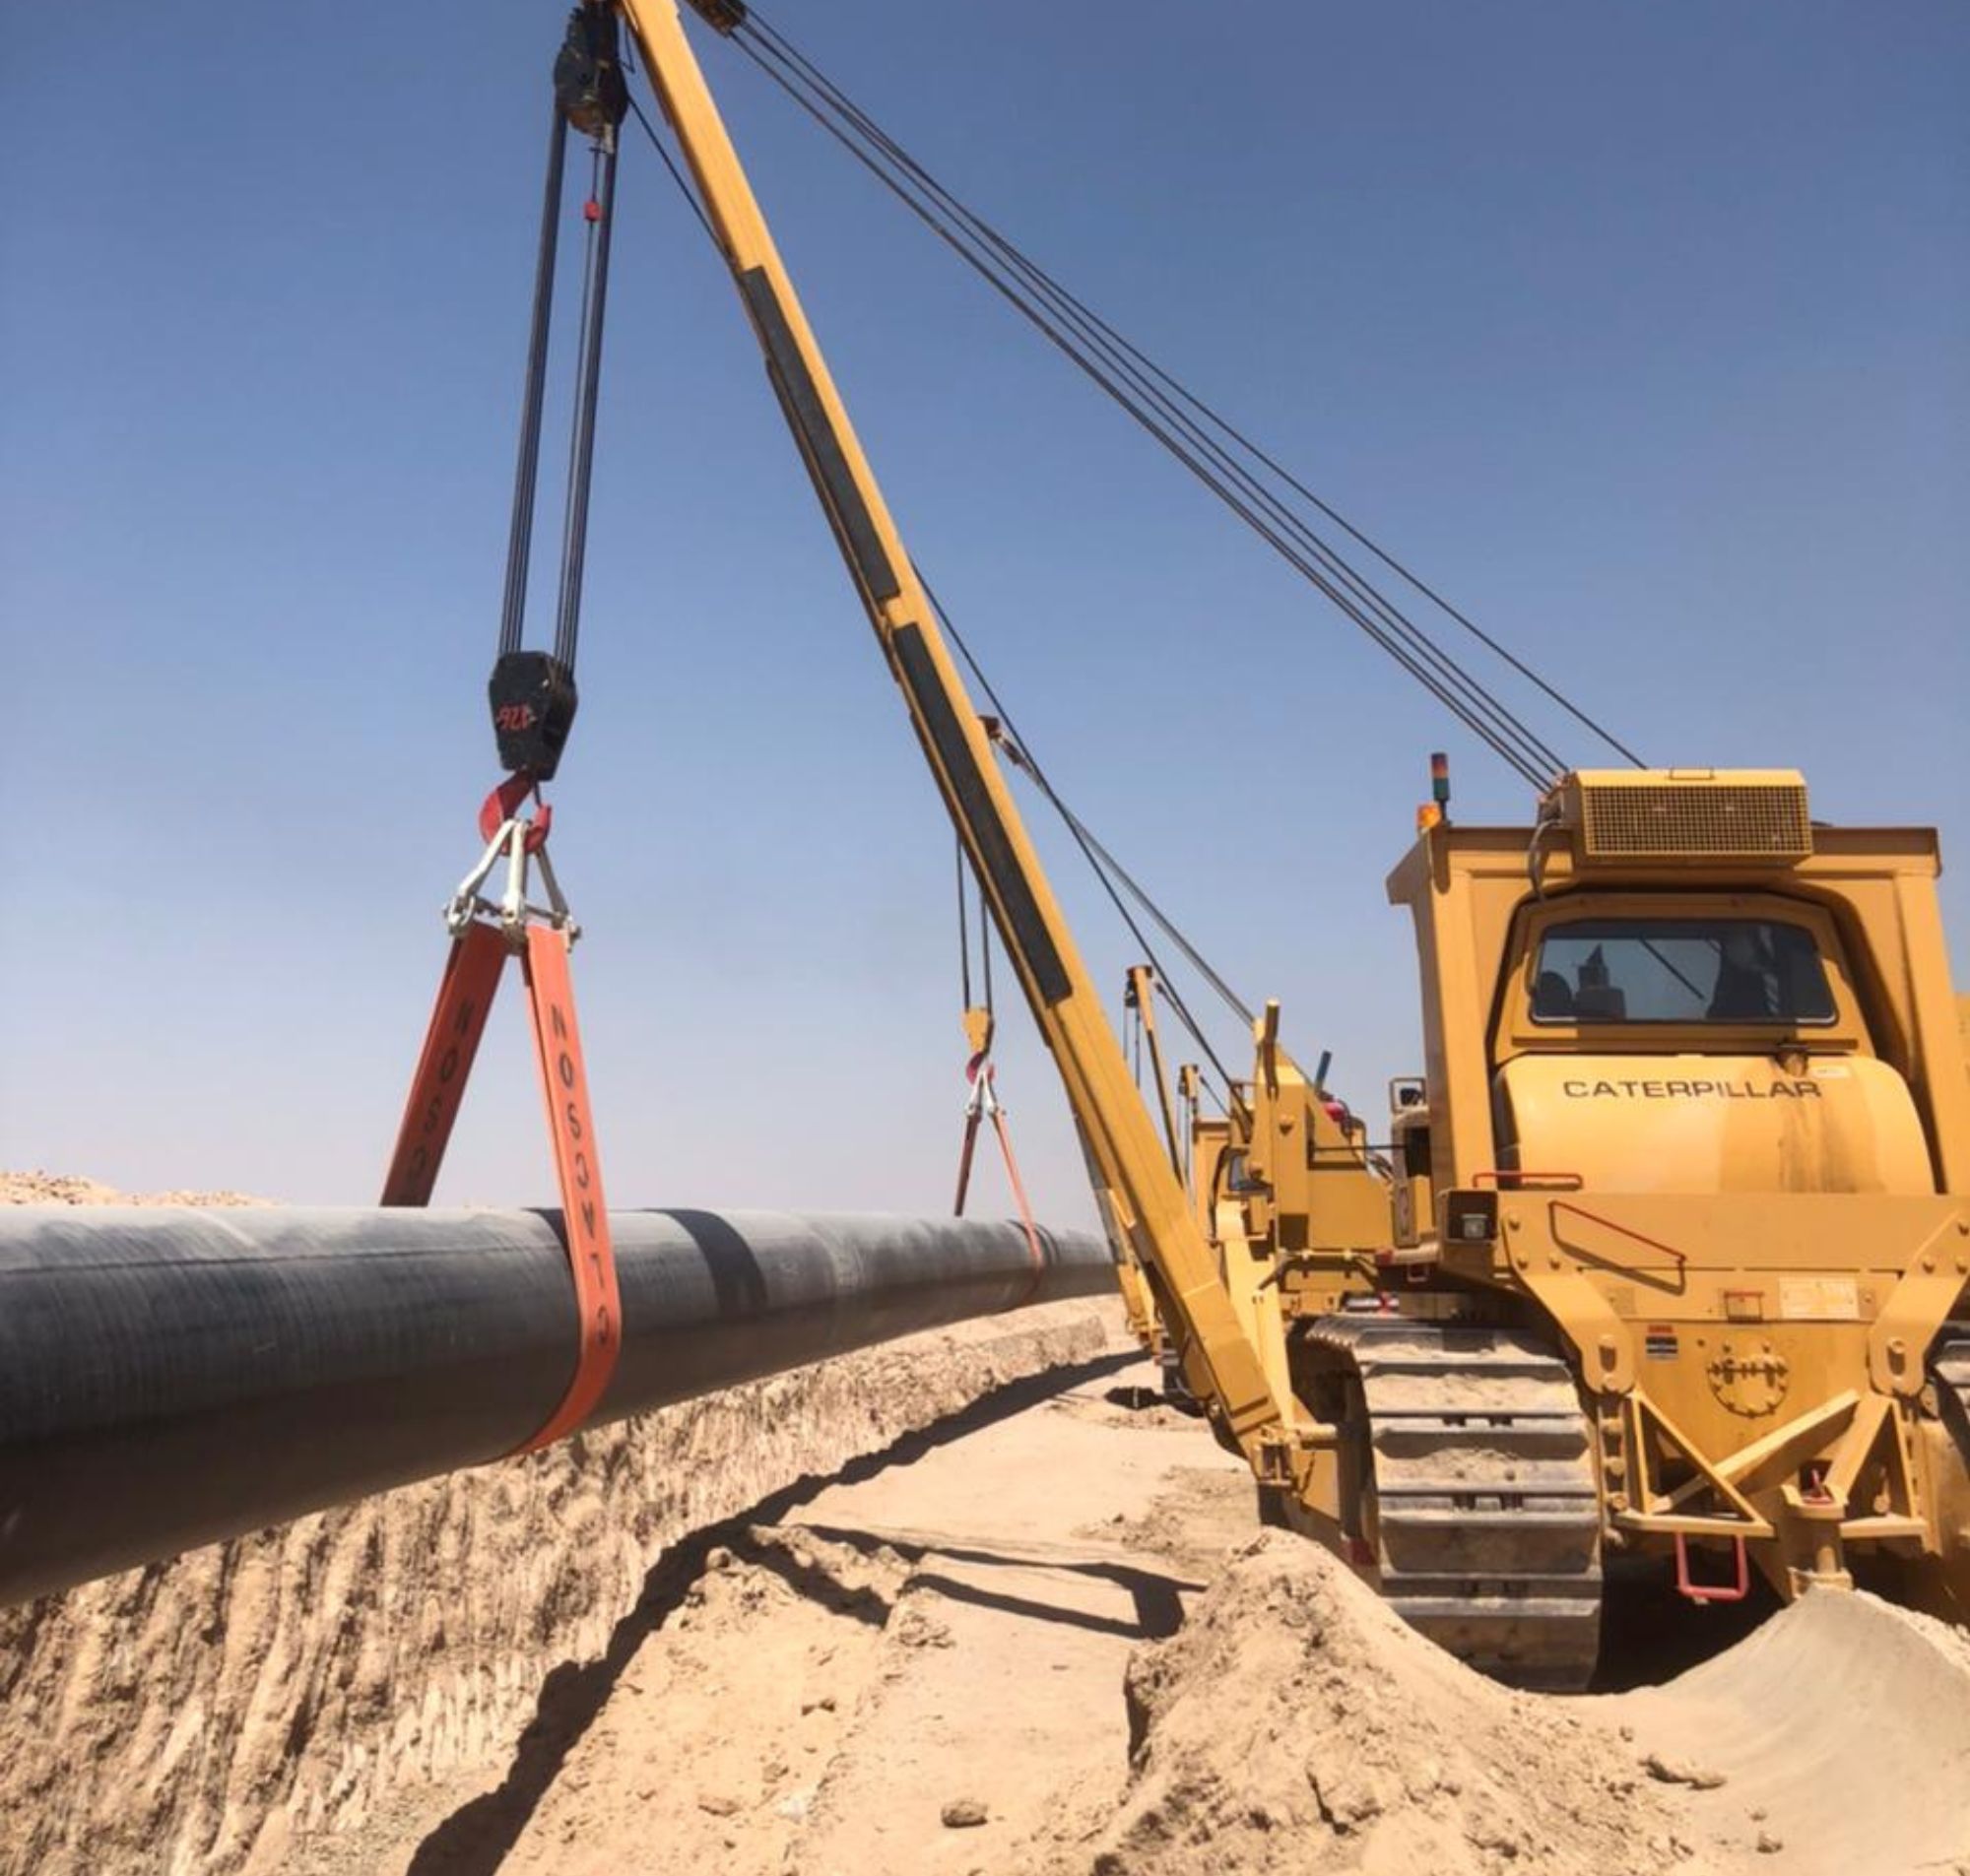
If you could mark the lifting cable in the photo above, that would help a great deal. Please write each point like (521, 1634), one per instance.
(533, 693)
(981, 1093)
(1014, 747)
(1220, 454)
(532, 698)
(984, 1002)
(1115, 879)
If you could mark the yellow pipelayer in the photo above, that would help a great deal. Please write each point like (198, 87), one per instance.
(1667, 1250)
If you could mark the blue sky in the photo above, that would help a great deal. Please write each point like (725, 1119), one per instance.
(1643, 331)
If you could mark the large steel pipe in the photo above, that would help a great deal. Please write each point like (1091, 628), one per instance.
(171, 1376)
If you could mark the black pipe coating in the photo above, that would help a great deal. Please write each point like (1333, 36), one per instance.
(169, 1377)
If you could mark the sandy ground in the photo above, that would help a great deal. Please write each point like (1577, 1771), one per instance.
(1057, 1643)
(946, 1631)
(1037, 1634)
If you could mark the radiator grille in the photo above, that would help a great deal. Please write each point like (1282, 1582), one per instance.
(1705, 820)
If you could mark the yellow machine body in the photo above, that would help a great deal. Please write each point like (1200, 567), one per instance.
(1737, 1184)
(1714, 1124)
(1682, 1202)
(1668, 1251)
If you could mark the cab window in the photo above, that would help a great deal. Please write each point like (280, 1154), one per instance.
(1680, 971)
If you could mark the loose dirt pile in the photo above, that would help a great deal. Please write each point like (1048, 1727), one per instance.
(1842, 1727)
(924, 1674)
(65, 1189)
(1294, 1724)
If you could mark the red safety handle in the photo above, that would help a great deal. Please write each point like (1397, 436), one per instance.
(1711, 1591)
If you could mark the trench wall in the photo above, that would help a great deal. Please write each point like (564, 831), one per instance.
(244, 1707)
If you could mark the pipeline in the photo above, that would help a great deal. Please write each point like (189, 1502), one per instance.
(171, 1376)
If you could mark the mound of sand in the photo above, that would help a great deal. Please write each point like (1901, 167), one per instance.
(1844, 1725)
(66, 1189)
(1294, 1724)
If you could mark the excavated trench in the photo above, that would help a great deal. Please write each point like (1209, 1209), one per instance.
(226, 1711)
(970, 1604)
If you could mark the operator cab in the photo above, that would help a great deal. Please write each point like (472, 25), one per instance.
(1664, 1029)
(1680, 971)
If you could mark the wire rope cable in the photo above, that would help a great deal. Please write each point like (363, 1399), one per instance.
(1092, 321)
(1114, 877)
(1485, 717)
(1183, 424)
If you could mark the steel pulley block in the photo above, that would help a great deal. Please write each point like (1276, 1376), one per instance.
(533, 700)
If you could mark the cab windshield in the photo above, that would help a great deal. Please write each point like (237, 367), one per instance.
(1680, 971)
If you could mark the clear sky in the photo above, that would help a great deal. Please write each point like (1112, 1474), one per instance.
(1643, 330)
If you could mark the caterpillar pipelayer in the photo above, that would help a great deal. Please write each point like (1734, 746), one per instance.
(1670, 1253)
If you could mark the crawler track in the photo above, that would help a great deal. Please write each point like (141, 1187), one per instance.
(1474, 1493)
(1951, 1364)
